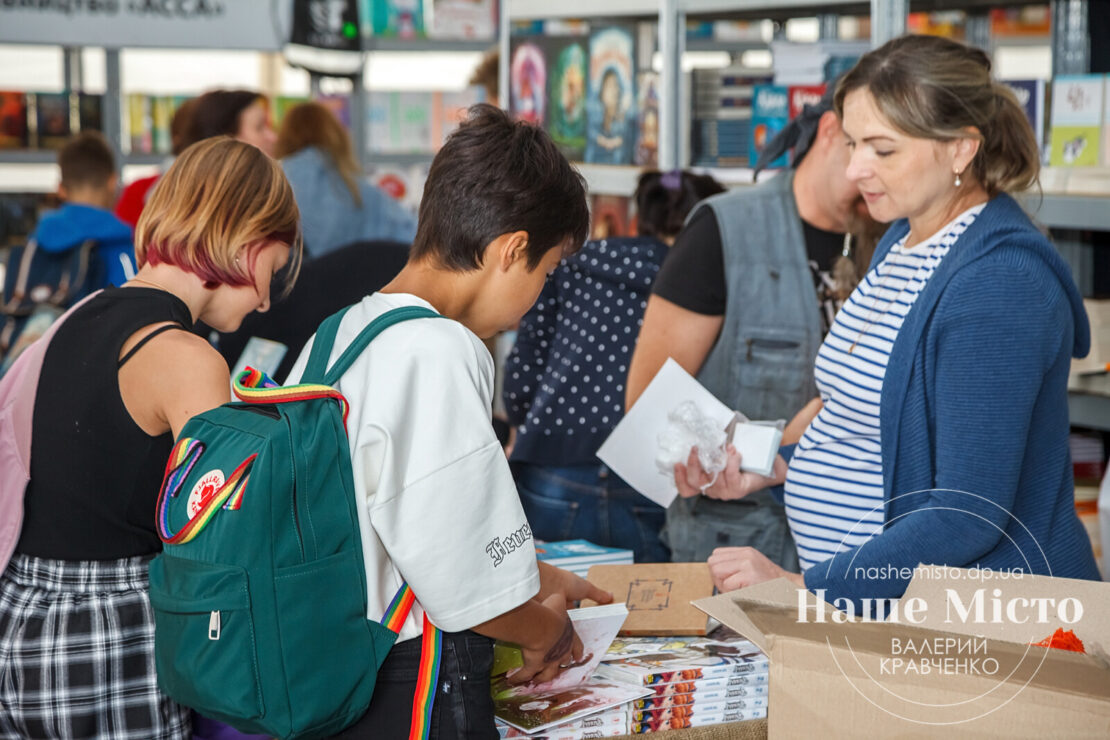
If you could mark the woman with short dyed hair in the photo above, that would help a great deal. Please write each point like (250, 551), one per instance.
(119, 379)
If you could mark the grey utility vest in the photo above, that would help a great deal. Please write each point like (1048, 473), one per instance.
(762, 363)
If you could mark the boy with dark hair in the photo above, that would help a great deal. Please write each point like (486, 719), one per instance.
(88, 188)
(501, 208)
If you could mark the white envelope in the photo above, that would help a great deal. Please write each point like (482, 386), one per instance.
(631, 448)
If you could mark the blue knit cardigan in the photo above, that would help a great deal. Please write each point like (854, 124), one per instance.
(974, 418)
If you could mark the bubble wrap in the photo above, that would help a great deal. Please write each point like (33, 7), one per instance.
(686, 428)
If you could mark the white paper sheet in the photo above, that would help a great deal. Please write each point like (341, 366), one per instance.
(630, 450)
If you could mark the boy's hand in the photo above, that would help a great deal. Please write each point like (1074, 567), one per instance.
(573, 588)
(560, 650)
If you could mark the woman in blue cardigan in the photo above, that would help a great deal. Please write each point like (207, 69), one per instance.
(942, 437)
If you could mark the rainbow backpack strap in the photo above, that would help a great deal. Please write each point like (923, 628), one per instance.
(431, 648)
(229, 496)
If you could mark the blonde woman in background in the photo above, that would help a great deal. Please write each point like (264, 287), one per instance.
(338, 205)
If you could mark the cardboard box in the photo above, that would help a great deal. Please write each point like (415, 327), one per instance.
(657, 595)
(834, 676)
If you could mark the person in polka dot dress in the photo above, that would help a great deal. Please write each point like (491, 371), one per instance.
(564, 379)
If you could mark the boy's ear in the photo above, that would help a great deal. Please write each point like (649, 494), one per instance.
(510, 248)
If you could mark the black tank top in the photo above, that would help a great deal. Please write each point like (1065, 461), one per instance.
(95, 474)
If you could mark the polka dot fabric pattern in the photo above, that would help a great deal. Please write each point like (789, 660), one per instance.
(564, 380)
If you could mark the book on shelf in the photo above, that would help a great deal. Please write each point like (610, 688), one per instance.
(770, 114)
(402, 19)
(461, 19)
(140, 123)
(90, 112)
(658, 595)
(611, 96)
(1030, 95)
(566, 117)
(1077, 111)
(162, 110)
(13, 120)
(678, 659)
(799, 96)
(53, 119)
(610, 216)
(528, 80)
(646, 153)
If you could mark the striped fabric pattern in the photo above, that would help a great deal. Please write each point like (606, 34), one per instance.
(834, 487)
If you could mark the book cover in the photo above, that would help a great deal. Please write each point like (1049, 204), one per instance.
(461, 19)
(799, 96)
(685, 659)
(610, 97)
(539, 711)
(161, 116)
(701, 698)
(567, 97)
(90, 112)
(743, 684)
(609, 215)
(379, 122)
(610, 723)
(403, 19)
(699, 710)
(578, 551)
(140, 123)
(413, 116)
(339, 105)
(770, 114)
(281, 104)
(449, 109)
(1077, 109)
(13, 120)
(596, 626)
(678, 720)
(528, 82)
(54, 124)
(647, 121)
(1030, 96)
(658, 595)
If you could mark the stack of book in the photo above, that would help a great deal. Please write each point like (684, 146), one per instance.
(578, 555)
(694, 681)
(721, 125)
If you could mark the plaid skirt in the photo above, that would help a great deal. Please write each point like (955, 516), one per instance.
(77, 653)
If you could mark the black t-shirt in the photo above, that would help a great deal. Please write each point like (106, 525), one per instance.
(693, 275)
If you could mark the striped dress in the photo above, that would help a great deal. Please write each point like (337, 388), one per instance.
(834, 487)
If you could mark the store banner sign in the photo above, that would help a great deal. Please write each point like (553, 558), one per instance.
(224, 24)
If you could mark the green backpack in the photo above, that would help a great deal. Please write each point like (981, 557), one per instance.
(259, 596)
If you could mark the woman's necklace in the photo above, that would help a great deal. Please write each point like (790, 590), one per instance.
(151, 283)
(872, 316)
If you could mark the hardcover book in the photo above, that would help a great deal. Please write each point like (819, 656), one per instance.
(54, 119)
(90, 112)
(1077, 109)
(658, 595)
(566, 118)
(13, 120)
(1030, 95)
(684, 659)
(672, 722)
(611, 97)
(140, 123)
(770, 114)
(528, 82)
(647, 121)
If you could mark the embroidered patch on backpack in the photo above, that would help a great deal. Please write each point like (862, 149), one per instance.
(204, 490)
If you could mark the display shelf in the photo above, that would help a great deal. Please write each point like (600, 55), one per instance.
(1089, 410)
(729, 45)
(542, 9)
(1064, 211)
(426, 45)
(28, 156)
(399, 159)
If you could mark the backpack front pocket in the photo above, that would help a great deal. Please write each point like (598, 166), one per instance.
(202, 627)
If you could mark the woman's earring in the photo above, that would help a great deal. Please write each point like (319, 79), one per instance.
(958, 181)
